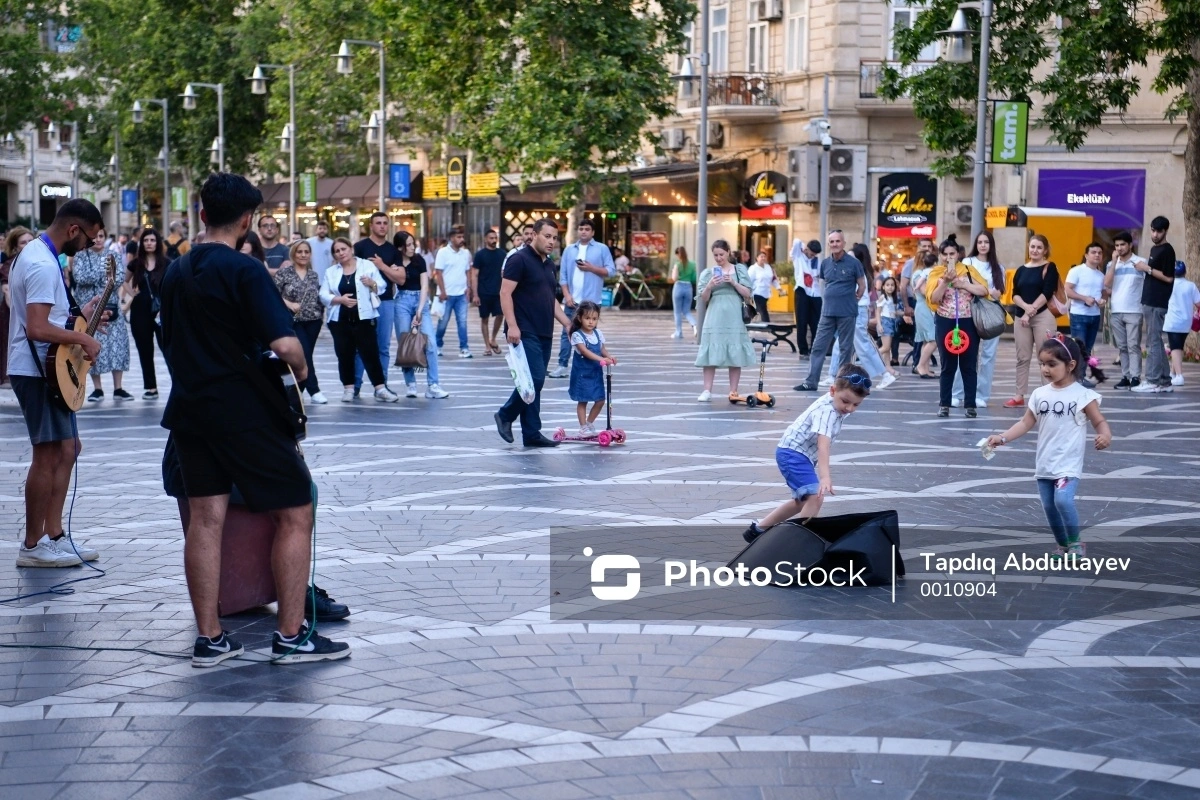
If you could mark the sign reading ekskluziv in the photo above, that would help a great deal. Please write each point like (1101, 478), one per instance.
(765, 196)
(907, 206)
(1114, 198)
(1010, 131)
(399, 181)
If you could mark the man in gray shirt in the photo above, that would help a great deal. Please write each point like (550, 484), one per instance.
(843, 282)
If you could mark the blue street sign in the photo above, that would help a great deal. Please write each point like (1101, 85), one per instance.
(129, 200)
(399, 178)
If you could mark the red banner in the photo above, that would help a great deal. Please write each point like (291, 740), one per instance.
(910, 232)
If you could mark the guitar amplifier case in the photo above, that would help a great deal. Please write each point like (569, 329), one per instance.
(828, 542)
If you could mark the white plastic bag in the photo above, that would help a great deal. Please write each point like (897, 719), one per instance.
(518, 365)
(437, 307)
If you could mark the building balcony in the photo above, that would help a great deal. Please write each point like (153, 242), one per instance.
(870, 76)
(751, 97)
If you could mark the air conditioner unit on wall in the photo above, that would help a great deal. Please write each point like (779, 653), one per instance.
(716, 134)
(804, 174)
(769, 10)
(963, 214)
(848, 175)
(672, 139)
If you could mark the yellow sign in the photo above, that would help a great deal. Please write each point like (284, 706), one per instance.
(483, 184)
(434, 187)
(456, 169)
(900, 203)
(996, 217)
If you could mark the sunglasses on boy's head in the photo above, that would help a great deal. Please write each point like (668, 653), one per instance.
(858, 380)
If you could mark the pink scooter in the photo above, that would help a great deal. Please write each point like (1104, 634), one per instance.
(609, 435)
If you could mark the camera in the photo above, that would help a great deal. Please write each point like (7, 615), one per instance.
(826, 141)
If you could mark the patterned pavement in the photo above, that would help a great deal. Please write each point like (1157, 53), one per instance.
(464, 683)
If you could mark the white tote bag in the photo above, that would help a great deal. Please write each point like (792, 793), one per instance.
(518, 365)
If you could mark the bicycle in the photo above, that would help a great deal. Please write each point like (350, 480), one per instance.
(632, 291)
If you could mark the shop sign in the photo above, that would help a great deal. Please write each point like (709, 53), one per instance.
(178, 198)
(399, 181)
(308, 187)
(483, 184)
(765, 196)
(129, 200)
(649, 244)
(434, 187)
(907, 206)
(1010, 131)
(996, 217)
(56, 190)
(456, 170)
(1113, 198)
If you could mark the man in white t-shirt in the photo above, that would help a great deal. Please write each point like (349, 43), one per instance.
(322, 249)
(450, 270)
(1123, 284)
(585, 265)
(1085, 288)
(40, 308)
(807, 266)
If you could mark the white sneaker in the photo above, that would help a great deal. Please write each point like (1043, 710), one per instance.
(1145, 388)
(84, 552)
(386, 395)
(705, 396)
(410, 390)
(888, 380)
(319, 398)
(676, 335)
(693, 331)
(435, 392)
(465, 354)
(348, 395)
(956, 402)
(559, 372)
(825, 382)
(46, 554)
(980, 403)
(1177, 380)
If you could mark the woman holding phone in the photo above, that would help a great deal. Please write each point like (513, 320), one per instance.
(949, 290)
(724, 342)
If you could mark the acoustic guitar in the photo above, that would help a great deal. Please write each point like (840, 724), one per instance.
(67, 364)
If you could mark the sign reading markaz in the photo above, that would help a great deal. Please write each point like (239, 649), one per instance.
(907, 206)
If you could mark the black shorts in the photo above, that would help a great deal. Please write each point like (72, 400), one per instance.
(45, 420)
(1175, 340)
(263, 462)
(489, 306)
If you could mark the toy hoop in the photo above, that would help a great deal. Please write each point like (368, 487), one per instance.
(957, 341)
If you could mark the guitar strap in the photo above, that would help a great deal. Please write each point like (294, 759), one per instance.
(274, 398)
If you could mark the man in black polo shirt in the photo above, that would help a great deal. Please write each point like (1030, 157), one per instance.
(485, 289)
(530, 310)
(225, 431)
(1156, 295)
(377, 249)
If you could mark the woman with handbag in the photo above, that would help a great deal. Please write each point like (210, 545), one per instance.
(949, 290)
(414, 320)
(351, 292)
(300, 287)
(984, 260)
(142, 281)
(724, 341)
(1035, 284)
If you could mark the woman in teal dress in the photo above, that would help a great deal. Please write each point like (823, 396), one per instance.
(724, 341)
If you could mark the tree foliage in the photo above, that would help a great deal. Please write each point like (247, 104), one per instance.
(32, 84)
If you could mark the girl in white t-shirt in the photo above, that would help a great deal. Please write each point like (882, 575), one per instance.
(889, 309)
(1185, 300)
(1060, 409)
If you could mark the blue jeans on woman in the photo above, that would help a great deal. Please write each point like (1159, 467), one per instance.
(681, 301)
(864, 346)
(406, 310)
(1059, 504)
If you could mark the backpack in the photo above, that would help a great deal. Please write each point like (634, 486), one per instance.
(173, 248)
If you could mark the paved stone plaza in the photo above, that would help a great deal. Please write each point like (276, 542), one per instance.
(463, 683)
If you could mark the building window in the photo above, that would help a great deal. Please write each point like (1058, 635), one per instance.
(757, 57)
(904, 17)
(797, 36)
(689, 45)
(718, 31)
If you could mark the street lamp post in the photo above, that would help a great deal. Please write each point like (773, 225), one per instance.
(958, 51)
(189, 104)
(138, 116)
(258, 85)
(344, 67)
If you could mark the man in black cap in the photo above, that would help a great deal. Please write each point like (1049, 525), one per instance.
(807, 295)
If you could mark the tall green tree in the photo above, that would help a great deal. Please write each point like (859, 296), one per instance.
(1076, 60)
(32, 78)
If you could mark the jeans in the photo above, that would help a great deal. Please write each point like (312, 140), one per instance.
(355, 342)
(1084, 327)
(1127, 337)
(537, 351)
(406, 310)
(383, 342)
(307, 332)
(843, 328)
(967, 362)
(564, 341)
(681, 300)
(987, 369)
(808, 315)
(457, 305)
(1156, 358)
(868, 354)
(1059, 505)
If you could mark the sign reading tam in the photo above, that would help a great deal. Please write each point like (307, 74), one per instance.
(1010, 131)
(765, 196)
(1114, 198)
(907, 206)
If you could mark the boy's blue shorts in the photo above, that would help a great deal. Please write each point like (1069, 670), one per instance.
(798, 471)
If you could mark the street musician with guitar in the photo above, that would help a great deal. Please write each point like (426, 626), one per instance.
(220, 313)
(41, 318)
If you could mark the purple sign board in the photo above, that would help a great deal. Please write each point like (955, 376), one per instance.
(1114, 198)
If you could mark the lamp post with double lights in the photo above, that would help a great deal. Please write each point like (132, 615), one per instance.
(344, 67)
(258, 85)
(958, 51)
(139, 115)
(189, 104)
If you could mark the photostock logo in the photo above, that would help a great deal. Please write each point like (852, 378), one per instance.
(633, 578)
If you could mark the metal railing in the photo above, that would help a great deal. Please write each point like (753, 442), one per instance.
(870, 75)
(733, 89)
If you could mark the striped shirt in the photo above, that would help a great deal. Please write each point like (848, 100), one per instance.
(818, 419)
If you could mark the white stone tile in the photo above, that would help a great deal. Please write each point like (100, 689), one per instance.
(772, 744)
(346, 713)
(425, 770)
(360, 781)
(217, 709)
(22, 713)
(843, 744)
(1189, 777)
(1064, 759)
(992, 752)
(405, 716)
(723, 631)
(777, 635)
(1142, 770)
(296, 791)
(493, 759)
(630, 747)
(282, 710)
(701, 744)
(915, 747)
(77, 711)
(548, 753)
(461, 724)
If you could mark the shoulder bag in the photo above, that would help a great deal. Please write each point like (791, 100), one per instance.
(987, 314)
(410, 349)
(1057, 302)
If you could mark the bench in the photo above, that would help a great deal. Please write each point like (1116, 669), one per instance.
(779, 331)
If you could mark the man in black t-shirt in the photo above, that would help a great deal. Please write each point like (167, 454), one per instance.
(1156, 295)
(527, 297)
(485, 288)
(377, 249)
(226, 432)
